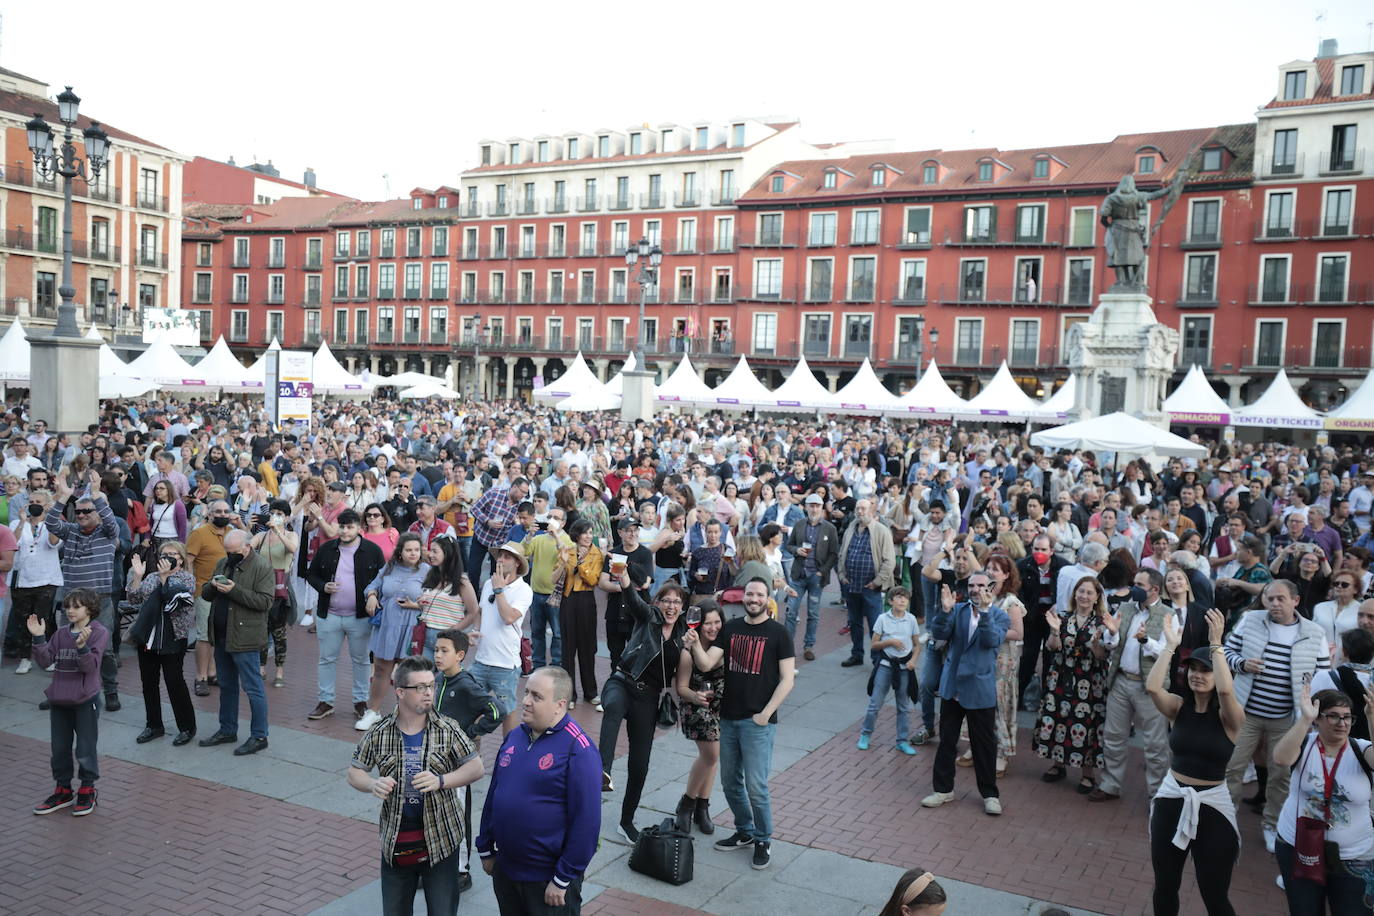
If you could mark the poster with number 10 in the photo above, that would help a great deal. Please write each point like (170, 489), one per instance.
(295, 387)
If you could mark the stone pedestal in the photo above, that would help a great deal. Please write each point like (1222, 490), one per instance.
(637, 393)
(64, 382)
(1123, 358)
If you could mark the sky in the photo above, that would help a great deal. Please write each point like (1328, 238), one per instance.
(381, 98)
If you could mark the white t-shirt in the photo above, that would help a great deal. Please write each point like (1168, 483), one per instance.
(499, 646)
(1349, 825)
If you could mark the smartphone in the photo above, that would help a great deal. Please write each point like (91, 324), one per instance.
(222, 580)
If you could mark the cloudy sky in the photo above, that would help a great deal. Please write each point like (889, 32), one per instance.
(359, 91)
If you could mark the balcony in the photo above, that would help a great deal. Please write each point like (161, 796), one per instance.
(438, 292)
(1200, 356)
(725, 197)
(388, 251)
(774, 238)
(1197, 298)
(468, 297)
(527, 207)
(472, 210)
(768, 293)
(311, 300)
(201, 297)
(652, 201)
(386, 292)
(340, 295)
(619, 202)
(914, 240)
(384, 335)
(858, 349)
(816, 349)
(242, 261)
(591, 295)
(863, 239)
(587, 250)
(20, 174)
(411, 292)
(238, 335)
(686, 199)
(414, 251)
(1348, 162)
(688, 245)
(471, 252)
(723, 245)
(820, 292)
(1001, 236)
(498, 208)
(497, 252)
(152, 259)
(146, 201)
(527, 250)
(410, 336)
(1275, 229)
(860, 292)
(438, 336)
(363, 253)
(239, 298)
(1302, 358)
(820, 239)
(273, 299)
(314, 262)
(722, 346)
(910, 292)
(1202, 239)
(311, 338)
(556, 205)
(1285, 167)
(360, 336)
(588, 204)
(997, 294)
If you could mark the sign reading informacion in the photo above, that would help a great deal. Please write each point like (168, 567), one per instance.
(179, 327)
(290, 387)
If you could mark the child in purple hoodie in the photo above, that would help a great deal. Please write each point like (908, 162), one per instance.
(74, 697)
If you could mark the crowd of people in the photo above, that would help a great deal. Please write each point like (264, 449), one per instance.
(475, 558)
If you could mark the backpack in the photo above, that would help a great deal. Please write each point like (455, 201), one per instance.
(1351, 687)
(138, 518)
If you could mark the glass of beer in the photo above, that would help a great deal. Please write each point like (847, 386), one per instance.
(617, 564)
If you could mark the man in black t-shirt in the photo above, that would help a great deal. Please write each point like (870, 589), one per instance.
(759, 668)
(640, 562)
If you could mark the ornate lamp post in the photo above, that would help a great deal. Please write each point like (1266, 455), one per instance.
(476, 354)
(920, 342)
(646, 276)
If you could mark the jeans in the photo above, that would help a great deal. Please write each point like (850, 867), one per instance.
(1342, 894)
(932, 666)
(930, 595)
(81, 722)
(331, 631)
(501, 683)
(439, 879)
(662, 575)
(746, 754)
(863, 605)
(526, 898)
(477, 555)
(542, 616)
(884, 677)
(809, 589)
(235, 669)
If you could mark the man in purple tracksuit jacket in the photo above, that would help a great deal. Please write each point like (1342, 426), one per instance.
(542, 815)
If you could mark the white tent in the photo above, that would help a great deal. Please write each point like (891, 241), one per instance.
(401, 379)
(14, 354)
(1002, 398)
(1118, 432)
(1280, 407)
(164, 367)
(1195, 402)
(683, 386)
(865, 394)
(431, 389)
(617, 383)
(1058, 405)
(577, 378)
(742, 388)
(220, 369)
(1357, 413)
(800, 392)
(590, 400)
(332, 378)
(931, 395)
(258, 371)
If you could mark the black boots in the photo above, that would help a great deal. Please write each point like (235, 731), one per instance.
(1261, 786)
(703, 816)
(684, 814)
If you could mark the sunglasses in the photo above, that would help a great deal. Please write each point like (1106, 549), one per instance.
(84, 511)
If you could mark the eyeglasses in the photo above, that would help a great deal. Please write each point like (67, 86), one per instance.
(419, 688)
(84, 511)
(1338, 719)
(972, 585)
(1342, 584)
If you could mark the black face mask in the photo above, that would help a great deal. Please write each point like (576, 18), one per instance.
(219, 522)
(35, 511)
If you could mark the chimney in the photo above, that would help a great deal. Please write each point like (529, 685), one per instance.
(232, 162)
(309, 179)
(1327, 48)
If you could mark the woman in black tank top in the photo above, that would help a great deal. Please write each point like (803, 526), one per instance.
(1206, 721)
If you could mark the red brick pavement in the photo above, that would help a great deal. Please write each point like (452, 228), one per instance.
(1051, 843)
(615, 902)
(159, 843)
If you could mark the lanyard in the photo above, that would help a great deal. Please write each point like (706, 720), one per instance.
(1328, 776)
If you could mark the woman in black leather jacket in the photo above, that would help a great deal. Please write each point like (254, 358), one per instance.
(648, 666)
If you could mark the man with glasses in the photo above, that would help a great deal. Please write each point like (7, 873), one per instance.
(422, 759)
(543, 551)
(401, 505)
(973, 631)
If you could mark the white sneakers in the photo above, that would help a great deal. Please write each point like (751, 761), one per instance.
(936, 799)
(1270, 836)
(1250, 774)
(308, 620)
(25, 666)
(992, 806)
(369, 719)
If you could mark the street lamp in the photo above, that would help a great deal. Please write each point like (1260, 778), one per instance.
(647, 276)
(49, 163)
(476, 353)
(920, 342)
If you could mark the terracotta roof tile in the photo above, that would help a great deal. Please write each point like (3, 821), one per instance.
(1325, 90)
(27, 105)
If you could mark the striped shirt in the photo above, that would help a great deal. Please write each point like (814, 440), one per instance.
(87, 558)
(1271, 696)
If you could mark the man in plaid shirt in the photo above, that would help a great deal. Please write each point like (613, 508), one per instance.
(493, 519)
(422, 759)
(867, 559)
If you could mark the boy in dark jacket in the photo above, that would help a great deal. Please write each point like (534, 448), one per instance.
(463, 700)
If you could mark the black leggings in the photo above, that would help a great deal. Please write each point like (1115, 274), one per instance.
(168, 667)
(1214, 851)
(640, 713)
(577, 620)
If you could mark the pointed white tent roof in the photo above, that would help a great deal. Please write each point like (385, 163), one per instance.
(220, 369)
(617, 384)
(94, 333)
(403, 379)
(1279, 406)
(14, 354)
(1358, 410)
(258, 371)
(431, 389)
(577, 378)
(932, 395)
(1196, 402)
(591, 399)
(865, 394)
(118, 387)
(333, 378)
(684, 387)
(800, 392)
(164, 367)
(1002, 398)
(1118, 432)
(1058, 405)
(742, 388)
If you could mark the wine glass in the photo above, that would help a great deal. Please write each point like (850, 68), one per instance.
(693, 617)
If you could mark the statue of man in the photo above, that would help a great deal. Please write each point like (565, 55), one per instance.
(1124, 213)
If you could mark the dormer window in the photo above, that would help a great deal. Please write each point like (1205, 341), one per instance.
(572, 147)
(636, 144)
(443, 201)
(879, 177)
(985, 171)
(417, 204)
(486, 155)
(829, 180)
(1041, 169)
(776, 186)
(514, 157)
(1352, 80)
(1212, 159)
(1294, 85)
(603, 146)
(1145, 165)
(930, 173)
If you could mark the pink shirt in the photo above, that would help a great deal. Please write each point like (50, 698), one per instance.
(7, 543)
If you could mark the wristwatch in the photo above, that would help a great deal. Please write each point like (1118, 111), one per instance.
(497, 591)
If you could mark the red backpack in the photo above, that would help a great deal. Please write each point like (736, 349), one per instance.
(138, 518)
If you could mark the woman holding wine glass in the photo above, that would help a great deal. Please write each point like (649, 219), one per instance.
(700, 693)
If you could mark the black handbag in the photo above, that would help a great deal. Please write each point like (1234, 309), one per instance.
(664, 852)
(667, 709)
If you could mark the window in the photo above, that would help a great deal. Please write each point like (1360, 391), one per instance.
(1205, 221)
(1082, 227)
(724, 239)
(542, 150)
(862, 272)
(1080, 281)
(619, 291)
(1342, 148)
(240, 290)
(620, 237)
(776, 186)
(1041, 169)
(525, 286)
(1027, 280)
(770, 229)
(686, 235)
(341, 282)
(276, 289)
(486, 155)
(653, 231)
(917, 231)
(703, 138)
(469, 290)
(314, 252)
(603, 146)
(819, 284)
(736, 134)
(622, 193)
(768, 278)
(414, 276)
(574, 148)
(1295, 85)
(412, 324)
(202, 291)
(858, 335)
(438, 280)
(513, 153)
(207, 321)
(341, 240)
(364, 240)
(1212, 159)
(500, 209)
(980, 224)
(830, 178)
(202, 248)
(1030, 223)
(913, 283)
(417, 203)
(147, 296)
(727, 185)
(1145, 165)
(879, 177)
(1352, 79)
(360, 320)
(241, 252)
(586, 286)
(341, 326)
(558, 240)
(686, 286)
(147, 188)
(1025, 341)
(556, 286)
(439, 242)
(560, 196)
(1201, 281)
(586, 333)
(1197, 341)
(1278, 215)
(968, 341)
(45, 291)
(496, 286)
(1336, 212)
(498, 242)
(636, 144)
(526, 241)
(910, 340)
(721, 285)
(386, 323)
(147, 246)
(1285, 152)
(765, 334)
(100, 243)
(47, 229)
(313, 291)
(238, 326)
(985, 171)
(360, 286)
(930, 174)
(821, 233)
(972, 280)
(1274, 279)
(1326, 344)
(1331, 273)
(443, 201)
(386, 281)
(816, 335)
(616, 334)
(689, 189)
(413, 242)
(1269, 343)
(649, 332)
(589, 194)
(865, 230)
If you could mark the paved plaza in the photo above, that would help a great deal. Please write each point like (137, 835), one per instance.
(191, 830)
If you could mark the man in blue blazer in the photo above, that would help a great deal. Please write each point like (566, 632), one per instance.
(974, 630)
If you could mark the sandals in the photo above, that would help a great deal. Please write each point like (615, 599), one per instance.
(1054, 774)
(965, 759)
(1002, 766)
(1085, 785)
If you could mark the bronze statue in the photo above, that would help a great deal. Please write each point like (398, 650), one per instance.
(1124, 213)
